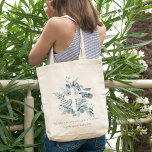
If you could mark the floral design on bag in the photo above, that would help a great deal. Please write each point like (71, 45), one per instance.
(74, 99)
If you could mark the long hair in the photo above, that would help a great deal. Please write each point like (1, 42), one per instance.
(82, 11)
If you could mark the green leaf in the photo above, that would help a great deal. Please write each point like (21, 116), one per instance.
(127, 8)
(24, 48)
(124, 82)
(110, 13)
(6, 132)
(99, 4)
(10, 86)
(115, 110)
(108, 73)
(23, 86)
(30, 30)
(12, 81)
(4, 104)
(137, 35)
(3, 137)
(10, 110)
(114, 127)
(142, 17)
(1, 6)
(109, 36)
(13, 7)
(36, 117)
(25, 15)
(2, 65)
(7, 117)
(130, 25)
(111, 41)
(24, 2)
(130, 144)
(3, 148)
(149, 6)
(22, 103)
(118, 144)
(136, 45)
(27, 145)
(138, 2)
(31, 2)
(38, 132)
(22, 135)
(125, 76)
(128, 91)
(135, 138)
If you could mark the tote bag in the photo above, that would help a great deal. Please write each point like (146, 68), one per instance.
(73, 98)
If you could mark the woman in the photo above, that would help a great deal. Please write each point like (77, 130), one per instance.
(63, 32)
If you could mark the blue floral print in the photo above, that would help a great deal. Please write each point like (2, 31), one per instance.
(75, 99)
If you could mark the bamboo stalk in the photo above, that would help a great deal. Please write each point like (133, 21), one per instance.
(16, 127)
(28, 116)
(130, 121)
(147, 83)
(21, 82)
(133, 121)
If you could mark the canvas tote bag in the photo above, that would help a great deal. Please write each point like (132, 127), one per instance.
(73, 98)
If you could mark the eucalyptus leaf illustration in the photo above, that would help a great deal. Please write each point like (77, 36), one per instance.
(87, 89)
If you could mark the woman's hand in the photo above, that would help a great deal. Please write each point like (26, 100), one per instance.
(50, 10)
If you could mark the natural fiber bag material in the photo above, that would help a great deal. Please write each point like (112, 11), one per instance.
(73, 98)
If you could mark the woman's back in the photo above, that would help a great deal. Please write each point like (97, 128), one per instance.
(67, 47)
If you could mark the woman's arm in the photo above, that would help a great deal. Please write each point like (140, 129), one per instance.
(47, 38)
(45, 42)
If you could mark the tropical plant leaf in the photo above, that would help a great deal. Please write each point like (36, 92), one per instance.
(28, 145)
(114, 127)
(36, 117)
(137, 45)
(1, 5)
(118, 144)
(115, 110)
(22, 135)
(137, 35)
(10, 110)
(23, 86)
(7, 117)
(22, 103)
(3, 137)
(24, 48)
(3, 147)
(12, 81)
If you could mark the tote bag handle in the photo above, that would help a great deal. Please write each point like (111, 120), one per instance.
(82, 54)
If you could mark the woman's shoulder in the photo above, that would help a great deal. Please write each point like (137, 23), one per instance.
(60, 22)
(57, 20)
(101, 30)
(102, 33)
(61, 25)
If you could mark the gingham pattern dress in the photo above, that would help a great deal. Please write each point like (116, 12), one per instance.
(91, 44)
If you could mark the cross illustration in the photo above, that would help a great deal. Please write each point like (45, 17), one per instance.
(73, 96)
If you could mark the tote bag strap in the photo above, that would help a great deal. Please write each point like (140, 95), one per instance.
(82, 49)
(82, 54)
(67, 16)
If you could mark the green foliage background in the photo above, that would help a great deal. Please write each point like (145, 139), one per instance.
(22, 24)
